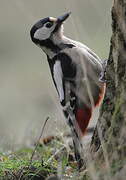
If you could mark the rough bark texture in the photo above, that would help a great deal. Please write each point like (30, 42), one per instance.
(109, 141)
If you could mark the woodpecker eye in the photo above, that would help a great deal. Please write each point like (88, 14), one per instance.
(49, 24)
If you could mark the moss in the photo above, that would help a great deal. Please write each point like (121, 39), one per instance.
(116, 119)
(116, 166)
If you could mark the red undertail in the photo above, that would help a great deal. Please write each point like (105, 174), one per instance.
(84, 114)
(83, 117)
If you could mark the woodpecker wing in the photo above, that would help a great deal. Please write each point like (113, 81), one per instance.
(75, 73)
(88, 91)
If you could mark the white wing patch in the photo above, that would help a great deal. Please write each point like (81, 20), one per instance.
(58, 75)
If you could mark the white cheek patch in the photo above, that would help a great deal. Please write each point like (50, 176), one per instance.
(43, 33)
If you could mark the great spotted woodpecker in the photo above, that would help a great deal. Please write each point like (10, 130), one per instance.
(77, 72)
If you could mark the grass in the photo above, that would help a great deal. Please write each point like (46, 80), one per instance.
(38, 162)
(52, 159)
(46, 160)
(17, 165)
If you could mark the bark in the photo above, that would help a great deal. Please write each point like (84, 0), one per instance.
(109, 140)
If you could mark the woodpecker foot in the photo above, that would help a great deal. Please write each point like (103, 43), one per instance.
(102, 77)
(103, 73)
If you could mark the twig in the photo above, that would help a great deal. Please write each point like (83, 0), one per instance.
(43, 127)
(33, 153)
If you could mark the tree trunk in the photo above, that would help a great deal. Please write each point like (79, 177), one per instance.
(109, 140)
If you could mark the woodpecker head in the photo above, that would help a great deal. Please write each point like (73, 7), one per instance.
(46, 28)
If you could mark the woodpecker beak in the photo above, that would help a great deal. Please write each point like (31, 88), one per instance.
(61, 19)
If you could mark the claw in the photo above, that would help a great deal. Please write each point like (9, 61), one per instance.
(103, 73)
(102, 77)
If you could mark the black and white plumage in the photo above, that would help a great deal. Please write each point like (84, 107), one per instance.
(77, 72)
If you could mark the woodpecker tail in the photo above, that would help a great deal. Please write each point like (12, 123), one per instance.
(83, 115)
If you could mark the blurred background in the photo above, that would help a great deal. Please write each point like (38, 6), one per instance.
(27, 94)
